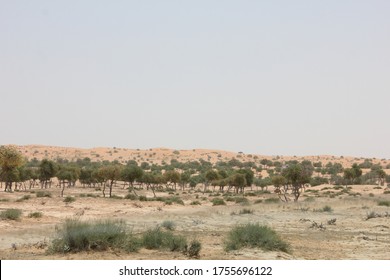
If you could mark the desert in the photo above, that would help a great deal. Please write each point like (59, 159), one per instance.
(334, 217)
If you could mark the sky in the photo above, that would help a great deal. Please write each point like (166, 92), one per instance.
(264, 77)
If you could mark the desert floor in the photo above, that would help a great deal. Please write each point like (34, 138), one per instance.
(353, 236)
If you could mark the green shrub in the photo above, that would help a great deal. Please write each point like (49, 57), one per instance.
(158, 239)
(196, 202)
(116, 197)
(272, 200)
(218, 201)
(35, 215)
(257, 201)
(11, 214)
(255, 236)
(327, 208)
(194, 249)
(174, 199)
(25, 197)
(69, 199)
(43, 194)
(169, 225)
(384, 203)
(131, 196)
(76, 236)
(142, 198)
(245, 211)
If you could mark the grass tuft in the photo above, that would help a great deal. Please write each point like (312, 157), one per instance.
(35, 215)
(218, 201)
(76, 236)
(255, 236)
(11, 214)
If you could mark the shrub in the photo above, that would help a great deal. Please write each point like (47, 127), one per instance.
(76, 236)
(272, 200)
(158, 239)
(384, 203)
(255, 236)
(142, 198)
(169, 225)
(36, 215)
(131, 196)
(246, 211)
(194, 249)
(174, 199)
(372, 215)
(69, 199)
(196, 202)
(11, 214)
(43, 194)
(218, 201)
(327, 208)
(25, 197)
(257, 201)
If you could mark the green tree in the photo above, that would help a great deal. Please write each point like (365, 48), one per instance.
(10, 161)
(297, 175)
(110, 173)
(47, 170)
(130, 174)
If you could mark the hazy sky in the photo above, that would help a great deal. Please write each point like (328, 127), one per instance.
(267, 77)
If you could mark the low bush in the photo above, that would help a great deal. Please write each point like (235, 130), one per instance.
(257, 201)
(218, 201)
(35, 215)
(384, 203)
(327, 208)
(11, 214)
(131, 196)
(159, 239)
(43, 194)
(272, 200)
(69, 199)
(255, 236)
(194, 249)
(76, 236)
(196, 202)
(245, 211)
(169, 225)
(25, 197)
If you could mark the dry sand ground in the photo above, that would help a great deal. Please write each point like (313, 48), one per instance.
(352, 237)
(157, 155)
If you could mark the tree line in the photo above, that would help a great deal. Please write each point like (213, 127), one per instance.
(290, 177)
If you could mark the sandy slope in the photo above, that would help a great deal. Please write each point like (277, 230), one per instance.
(157, 155)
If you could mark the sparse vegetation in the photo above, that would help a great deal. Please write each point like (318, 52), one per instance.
(43, 194)
(76, 236)
(23, 198)
(218, 201)
(246, 211)
(69, 199)
(194, 249)
(35, 215)
(169, 225)
(11, 214)
(271, 200)
(384, 203)
(159, 239)
(255, 236)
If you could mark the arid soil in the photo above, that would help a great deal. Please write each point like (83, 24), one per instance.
(302, 224)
